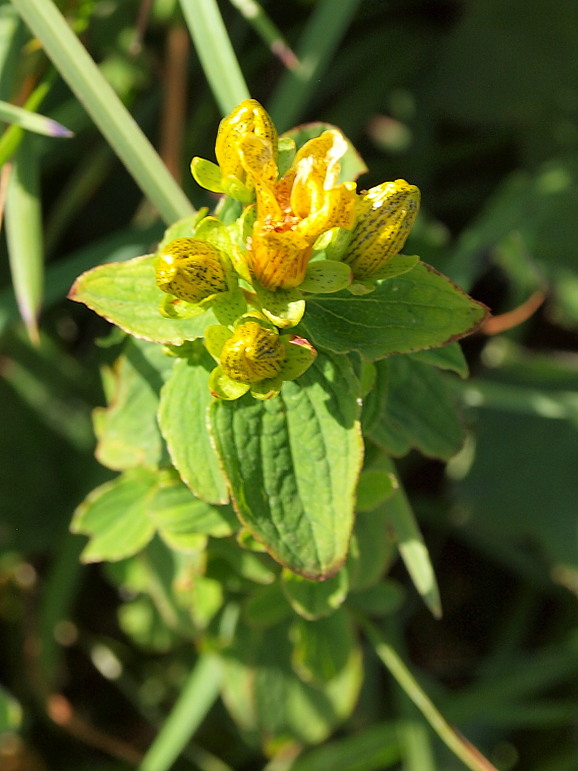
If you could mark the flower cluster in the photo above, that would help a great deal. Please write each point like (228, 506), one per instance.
(300, 230)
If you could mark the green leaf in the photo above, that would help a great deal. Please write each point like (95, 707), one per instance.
(292, 464)
(395, 266)
(10, 711)
(257, 568)
(372, 550)
(418, 310)
(214, 49)
(383, 599)
(179, 516)
(183, 421)
(404, 528)
(115, 518)
(375, 746)
(267, 606)
(265, 697)
(314, 599)
(373, 488)
(448, 357)
(126, 294)
(418, 410)
(127, 431)
(322, 648)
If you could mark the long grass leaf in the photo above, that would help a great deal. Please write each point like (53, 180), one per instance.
(216, 53)
(405, 530)
(460, 746)
(32, 121)
(24, 235)
(11, 138)
(321, 38)
(196, 698)
(105, 108)
(269, 33)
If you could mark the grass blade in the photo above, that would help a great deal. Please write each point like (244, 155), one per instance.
(269, 33)
(319, 42)
(24, 235)
(197, 696)
(105, 108)
(460, 746)
(11, 138)
(215, 52)
(40, 124)
(412, 548)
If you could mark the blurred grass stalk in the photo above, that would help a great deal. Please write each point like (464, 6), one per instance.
(32, 121)
(459, 745)
(105, 108)
(269, 33)
(24, 233)
(196, 698)
(326, 27)
(215, 52)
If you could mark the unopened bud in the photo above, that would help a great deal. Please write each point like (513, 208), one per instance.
(253, 353)
(249, 117)
(385, 216)
(190, 269)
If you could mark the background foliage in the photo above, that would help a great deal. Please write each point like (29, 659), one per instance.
(475, 102)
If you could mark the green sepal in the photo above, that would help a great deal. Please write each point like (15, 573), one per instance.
(396, 266)
(223, 387)
(172, 307)
(267, 389)
(229, 306)
(300, 356)
(234, 188)
(207, 175)
(333, 243)
(213, 231)
(326, 276)
(215, 338)
(283, 307)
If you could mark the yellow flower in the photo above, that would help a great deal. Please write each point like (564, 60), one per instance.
(385, 215)
(191, 270)
(295, 210)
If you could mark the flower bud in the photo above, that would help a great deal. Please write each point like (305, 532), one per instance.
(253, 353)
(249, 117)
(384, 218)
(190, 269)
